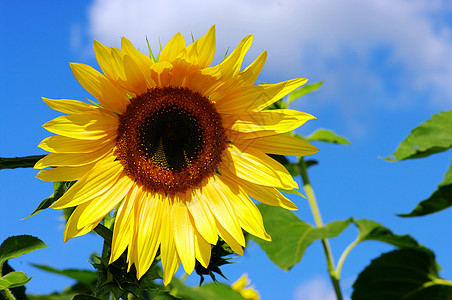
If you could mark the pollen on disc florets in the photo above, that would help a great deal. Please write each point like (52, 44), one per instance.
(169, 139)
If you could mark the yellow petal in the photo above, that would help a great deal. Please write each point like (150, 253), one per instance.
(257, 167)
(72, 159)
(161, 73)
(170, 258)
(281, 144)
(104, 203)
(243, 100)
(124, 225)
(205, 48)
(227, 237)
(290, 86)
(241, 283)
(64, 173)
(101, 178)
(181, 74)
(63, 144)
(265, 194)
(112, 68)
(148, 231)
(202, 250)
(183, 235)
(268, 122)
(143, 61)
(84, 126)
(231, 65)
(110, 96)
(70, 106)
(248, 214)
(249, 75)
(217, 196)
(203, 218)
(135, 77)
(71, 229)
(175, 45)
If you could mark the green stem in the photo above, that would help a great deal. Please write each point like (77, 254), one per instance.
(8, 294)
(19, 162)
(319, 223)
(440, 281)
(344, 255)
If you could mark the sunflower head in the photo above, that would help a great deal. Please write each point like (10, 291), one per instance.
(242, 285)
(179, 148)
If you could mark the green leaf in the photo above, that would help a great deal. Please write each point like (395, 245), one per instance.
(291, 236)
(439, 200)
(409, 274)
(86, 277)
(211, 291)
(18, 245)
(59, 188)
(85, 297)
(433, 136)
(305, 89)
(373, 231)
(13, 279)
(327, 136)
(19, 291)
(159, 294)
(19, 162)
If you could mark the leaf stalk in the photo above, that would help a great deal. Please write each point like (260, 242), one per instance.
(319, 223)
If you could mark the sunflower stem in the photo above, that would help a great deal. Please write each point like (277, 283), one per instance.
(19, 162)
(319, 223)
(8, 295)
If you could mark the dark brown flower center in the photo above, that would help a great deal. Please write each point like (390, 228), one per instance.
(170, 139)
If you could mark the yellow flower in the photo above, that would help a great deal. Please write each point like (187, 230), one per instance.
(176, 146)
(242, 286)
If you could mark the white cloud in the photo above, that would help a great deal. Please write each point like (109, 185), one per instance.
(288, 28)
(363, 49)
(317, 288)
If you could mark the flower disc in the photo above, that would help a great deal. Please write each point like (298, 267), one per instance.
(169, 139)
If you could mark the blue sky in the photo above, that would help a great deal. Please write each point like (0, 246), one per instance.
(386, 68)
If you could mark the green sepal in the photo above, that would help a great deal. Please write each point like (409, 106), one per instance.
(114, 277)
(292, 191)
(150, 51)
(218, 257)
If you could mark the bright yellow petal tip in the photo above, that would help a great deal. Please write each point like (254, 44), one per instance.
(242, 285)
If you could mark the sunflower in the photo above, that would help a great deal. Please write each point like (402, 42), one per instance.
(242, 285)
(177, 147)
